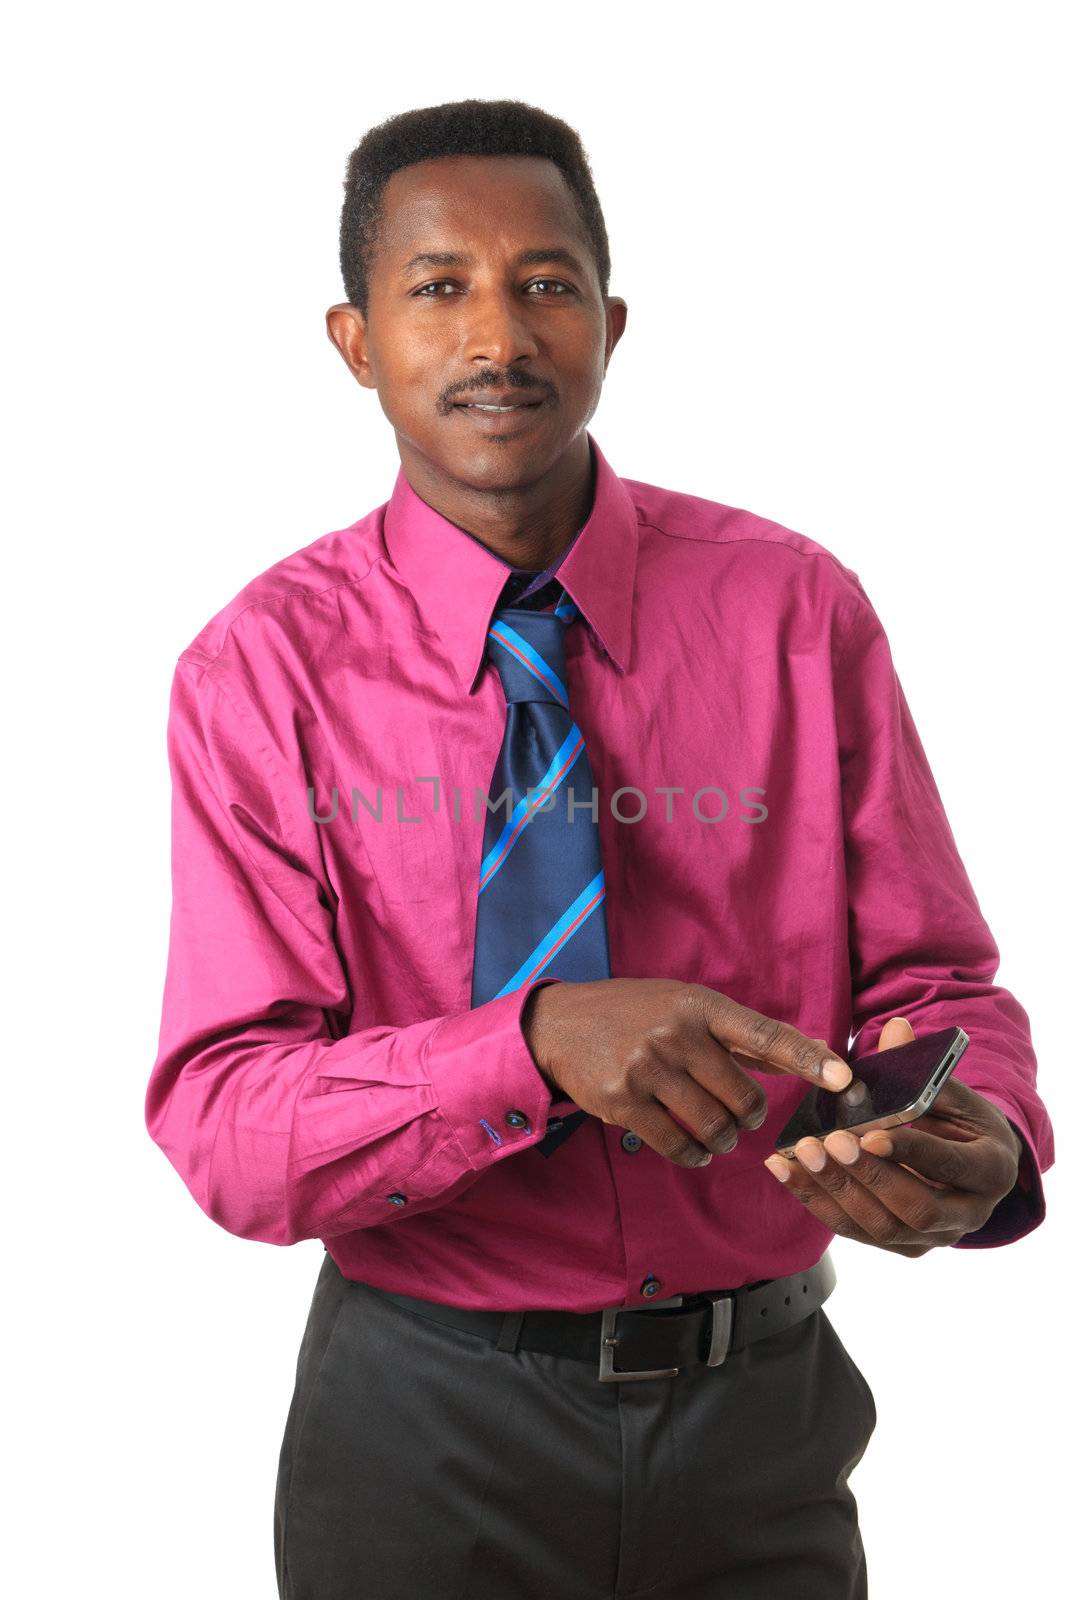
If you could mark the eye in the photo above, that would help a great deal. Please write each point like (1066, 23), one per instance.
(556, 286)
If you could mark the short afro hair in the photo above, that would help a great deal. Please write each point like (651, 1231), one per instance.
(457, 128)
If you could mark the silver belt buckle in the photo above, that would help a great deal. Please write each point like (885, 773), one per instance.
(722, 1326)
(609, 1339)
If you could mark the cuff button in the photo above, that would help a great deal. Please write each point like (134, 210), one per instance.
(516, 1119)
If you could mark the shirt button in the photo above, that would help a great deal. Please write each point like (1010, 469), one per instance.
(650, 1287)
(553, 1125)
(516, 1119)
(630, 1141)
(397, 1199)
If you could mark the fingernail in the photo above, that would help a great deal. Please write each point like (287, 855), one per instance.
(835, 1073)
(812, 1154)
(843, 1147)
(704, 1160)
(877, 1142)
(778, 1166)
(854, 1093)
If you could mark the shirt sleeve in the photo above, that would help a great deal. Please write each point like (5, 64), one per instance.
(283, 1122)
(920, 947)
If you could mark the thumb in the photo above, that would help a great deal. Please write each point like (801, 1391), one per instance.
(898, 1030)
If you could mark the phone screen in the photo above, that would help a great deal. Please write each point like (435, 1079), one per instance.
(891, 1081)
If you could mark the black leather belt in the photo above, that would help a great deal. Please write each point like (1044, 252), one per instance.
(711, 1326)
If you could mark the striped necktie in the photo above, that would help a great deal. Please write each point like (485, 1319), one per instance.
(541, 888)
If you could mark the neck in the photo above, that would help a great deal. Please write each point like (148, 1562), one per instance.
(526, 527)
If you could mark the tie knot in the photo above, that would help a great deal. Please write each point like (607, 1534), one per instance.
(528, 649)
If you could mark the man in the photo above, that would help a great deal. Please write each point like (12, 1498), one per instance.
(539, 841)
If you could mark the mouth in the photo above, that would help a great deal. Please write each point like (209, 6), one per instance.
(498, 419)
(509, 404)
(481, 405)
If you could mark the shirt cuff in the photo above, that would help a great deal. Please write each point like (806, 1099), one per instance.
(488, 1085)
(1023, 1208)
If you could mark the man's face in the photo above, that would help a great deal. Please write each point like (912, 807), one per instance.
(514, 316)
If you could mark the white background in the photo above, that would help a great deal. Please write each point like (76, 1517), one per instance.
(838, 231)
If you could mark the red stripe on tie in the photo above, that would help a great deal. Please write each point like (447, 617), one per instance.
(565, 935)
(526, 663)
(532, 811)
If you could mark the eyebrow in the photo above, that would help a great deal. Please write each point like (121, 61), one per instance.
(547, 256)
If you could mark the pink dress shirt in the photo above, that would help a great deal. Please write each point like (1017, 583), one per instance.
(769, 827)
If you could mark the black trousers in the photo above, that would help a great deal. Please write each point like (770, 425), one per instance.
(419, 1462)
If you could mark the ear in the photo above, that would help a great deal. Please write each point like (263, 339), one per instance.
(615, 310)
(346, 327)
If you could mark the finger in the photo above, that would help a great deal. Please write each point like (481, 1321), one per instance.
(890, 1203)
(652, 1124)
(853, 1105)
(821, 1204)
(973, 1166)
(773, 1044)
(708, 1113)
(713, 1080)
(897, 1031)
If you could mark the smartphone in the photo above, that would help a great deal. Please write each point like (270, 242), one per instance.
(888, 1088)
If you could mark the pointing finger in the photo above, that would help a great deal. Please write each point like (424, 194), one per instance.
(774, 1046)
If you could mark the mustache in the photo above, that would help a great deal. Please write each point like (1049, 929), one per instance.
(488, 382)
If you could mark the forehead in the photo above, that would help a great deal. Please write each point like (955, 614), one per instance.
(490, 202)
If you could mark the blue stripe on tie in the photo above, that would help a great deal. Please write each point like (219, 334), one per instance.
(558, 935)
(523, 813)
(532, 659)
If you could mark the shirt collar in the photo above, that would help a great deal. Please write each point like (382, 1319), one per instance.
(456, 580)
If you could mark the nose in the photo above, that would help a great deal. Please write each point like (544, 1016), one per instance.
(496, 330)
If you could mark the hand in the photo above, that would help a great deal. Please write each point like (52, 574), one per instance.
(913, 1187)
(633, 1050)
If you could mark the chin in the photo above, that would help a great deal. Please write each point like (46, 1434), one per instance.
(496, 463)
(500, 467)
